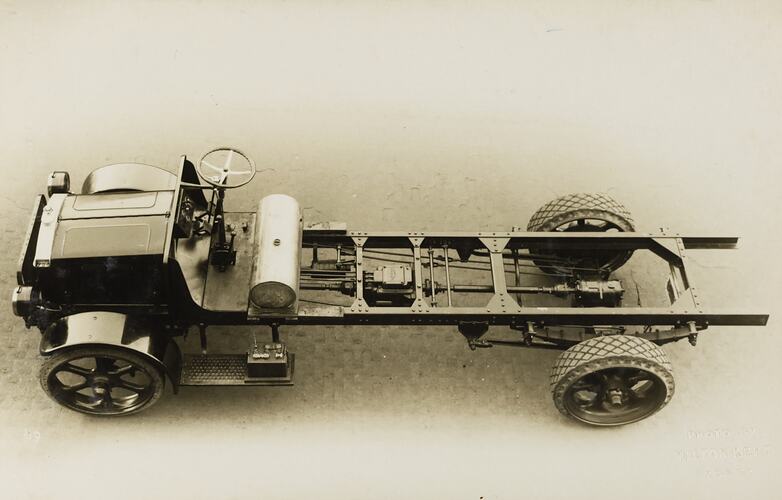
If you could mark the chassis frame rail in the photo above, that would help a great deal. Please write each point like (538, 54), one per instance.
(503, 309)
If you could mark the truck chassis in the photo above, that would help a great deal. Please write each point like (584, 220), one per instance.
(112, 276)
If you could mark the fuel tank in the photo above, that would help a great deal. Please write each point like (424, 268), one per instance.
(275, 283)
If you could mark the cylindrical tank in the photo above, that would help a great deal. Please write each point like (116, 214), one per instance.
(275, 283)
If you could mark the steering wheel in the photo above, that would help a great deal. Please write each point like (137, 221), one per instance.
(226, 168)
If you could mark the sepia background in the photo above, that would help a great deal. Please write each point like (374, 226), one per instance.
(417, 116)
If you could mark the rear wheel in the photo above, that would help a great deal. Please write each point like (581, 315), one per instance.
(612, 380)
(581, 212)
(103, 381)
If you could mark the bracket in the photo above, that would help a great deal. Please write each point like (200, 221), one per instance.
(501, 301)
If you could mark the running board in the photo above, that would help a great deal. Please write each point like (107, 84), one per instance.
(236, 369)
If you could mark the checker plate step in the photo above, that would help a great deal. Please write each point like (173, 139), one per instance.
(225, 369)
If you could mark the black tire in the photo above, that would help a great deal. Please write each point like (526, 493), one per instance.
(581, 212)
(630, 379)
(117, 382)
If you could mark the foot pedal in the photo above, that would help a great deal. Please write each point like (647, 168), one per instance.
(272, 365)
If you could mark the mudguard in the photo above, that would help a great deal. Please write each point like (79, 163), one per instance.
(128, 176)
(115, 330)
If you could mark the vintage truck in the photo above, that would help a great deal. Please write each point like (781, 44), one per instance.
(114, 275)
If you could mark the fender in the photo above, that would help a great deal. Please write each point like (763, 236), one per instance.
(115, 330)
(129, 176)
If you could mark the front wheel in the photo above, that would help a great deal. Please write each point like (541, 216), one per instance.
(612, 380)
(102, 381)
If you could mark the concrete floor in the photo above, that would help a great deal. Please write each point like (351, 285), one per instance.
(419, 117)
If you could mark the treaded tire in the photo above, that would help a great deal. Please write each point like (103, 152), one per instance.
(50, 365)
(560, 213)
(609, 352)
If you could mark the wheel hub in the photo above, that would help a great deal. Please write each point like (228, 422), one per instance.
(617, 395)
(101, 385)
(616, 391)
